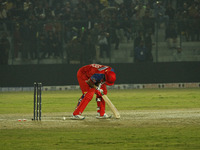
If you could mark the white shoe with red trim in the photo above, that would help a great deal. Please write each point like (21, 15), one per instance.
(105, 116)
(77, 117)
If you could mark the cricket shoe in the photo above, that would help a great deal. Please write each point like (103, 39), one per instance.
(77, 117)
(105, 116)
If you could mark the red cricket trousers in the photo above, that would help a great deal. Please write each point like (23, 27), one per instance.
(88, 94)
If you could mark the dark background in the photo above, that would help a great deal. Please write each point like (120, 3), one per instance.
(54, 75)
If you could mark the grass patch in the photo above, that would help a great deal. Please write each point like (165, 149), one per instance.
(132, 131)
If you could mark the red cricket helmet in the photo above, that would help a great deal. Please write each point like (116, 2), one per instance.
(110, 77)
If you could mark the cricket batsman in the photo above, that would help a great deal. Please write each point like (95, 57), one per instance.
(93, 79)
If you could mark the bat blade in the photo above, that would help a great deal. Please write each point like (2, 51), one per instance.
(112, 107)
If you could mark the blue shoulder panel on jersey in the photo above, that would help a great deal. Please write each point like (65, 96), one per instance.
(97, 77)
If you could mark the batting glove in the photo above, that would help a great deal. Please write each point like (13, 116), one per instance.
(99, 92)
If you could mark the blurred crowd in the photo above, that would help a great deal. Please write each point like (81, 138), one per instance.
(85, 30)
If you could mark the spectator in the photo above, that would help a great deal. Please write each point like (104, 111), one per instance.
(141, 52)
(94, 34)
(103, 44)
(149, 45)
(67, 34)
(66, 11)
(160, 15)
(74, 51)
(3, 11)
(150, 9)
(198, 23)
(27, 4)
(3, 16)
(48, 12)
(30, 12)
(40, 12)
(148, 23)
(32, 38)
(182, 8)
(127, 28)
(89, 50)
(42, 49)
(183, 21)
(57, 45)
(18, 41)
(58, 11)
(194, 16)
(138, 22)
(25, 32)
(114, 37)
(74, 32)
(18, 10)
(141, 9)
(52, 43)
(171, 36)
(177, 55)
(140, 37)
(9, 5)
(170, 12)
(4, 49)
(119, 33)
(125, 17)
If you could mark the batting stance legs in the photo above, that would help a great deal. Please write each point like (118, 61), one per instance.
(87, 96)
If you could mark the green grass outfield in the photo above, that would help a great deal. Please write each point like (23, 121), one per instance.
(150, 119)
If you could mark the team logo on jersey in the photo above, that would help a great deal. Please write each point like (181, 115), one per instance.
(102, 68)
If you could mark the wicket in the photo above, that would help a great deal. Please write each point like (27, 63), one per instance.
(37, 102)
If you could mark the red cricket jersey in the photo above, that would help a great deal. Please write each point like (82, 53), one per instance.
(90, 70)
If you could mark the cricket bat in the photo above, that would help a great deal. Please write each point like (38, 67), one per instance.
(112, 107)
